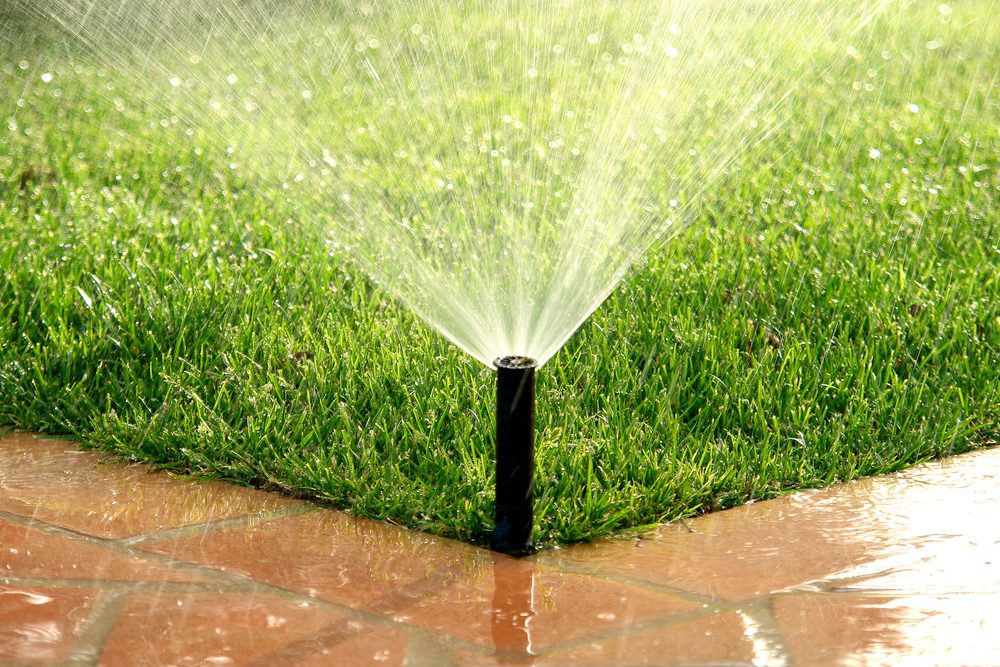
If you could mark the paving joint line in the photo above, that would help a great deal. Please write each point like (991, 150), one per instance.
(238, 584)
(253, 518)
(113, 545)
(773, 647)
(242, 584)
(151, 586)
(426, 648)
(103, 618)
(690, 596)
(250, 585)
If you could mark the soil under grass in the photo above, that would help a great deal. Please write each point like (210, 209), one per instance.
(832, 312)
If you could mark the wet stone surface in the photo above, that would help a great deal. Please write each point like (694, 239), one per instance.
(55, 482)
(103, 563)
(40, 623)
(244, 629)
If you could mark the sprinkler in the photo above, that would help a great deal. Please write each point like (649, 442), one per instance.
(515, 454)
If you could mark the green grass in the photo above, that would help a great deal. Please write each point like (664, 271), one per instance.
(827, 316)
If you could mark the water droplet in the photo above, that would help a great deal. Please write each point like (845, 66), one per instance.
(874, 153)
(30, 598)
(47, 77)
(944, 10)
(913, 108)
(86, 297)
(593, 38)
(175, 81)
(231, 79)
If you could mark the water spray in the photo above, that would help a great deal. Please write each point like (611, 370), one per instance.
(515, 455)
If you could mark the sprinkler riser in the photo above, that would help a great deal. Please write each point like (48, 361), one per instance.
(515, 455)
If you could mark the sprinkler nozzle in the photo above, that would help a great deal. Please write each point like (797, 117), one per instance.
(515, 465)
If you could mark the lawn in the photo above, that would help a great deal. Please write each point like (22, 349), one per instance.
(832, 310)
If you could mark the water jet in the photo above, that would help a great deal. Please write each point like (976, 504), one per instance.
(500, 180)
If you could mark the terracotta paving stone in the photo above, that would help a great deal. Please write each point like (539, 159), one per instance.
(244, 629)
(739, 554)
(717, 639)
(825, 630)
(31, 553)
(520, 606)
(471, 659)
(384, 646)
(41, 624)
(52, 481)
(361, 564)
(445, 586)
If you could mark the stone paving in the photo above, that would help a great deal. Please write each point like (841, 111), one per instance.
(103, 563)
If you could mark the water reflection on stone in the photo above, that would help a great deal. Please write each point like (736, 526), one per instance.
(40, 624)
(513, 611)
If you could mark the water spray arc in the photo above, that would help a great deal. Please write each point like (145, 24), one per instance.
(498, 181)
(515, 455)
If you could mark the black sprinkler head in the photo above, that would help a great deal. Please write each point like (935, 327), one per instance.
(515, 467)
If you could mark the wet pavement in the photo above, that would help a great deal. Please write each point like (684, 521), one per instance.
(106, 564)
